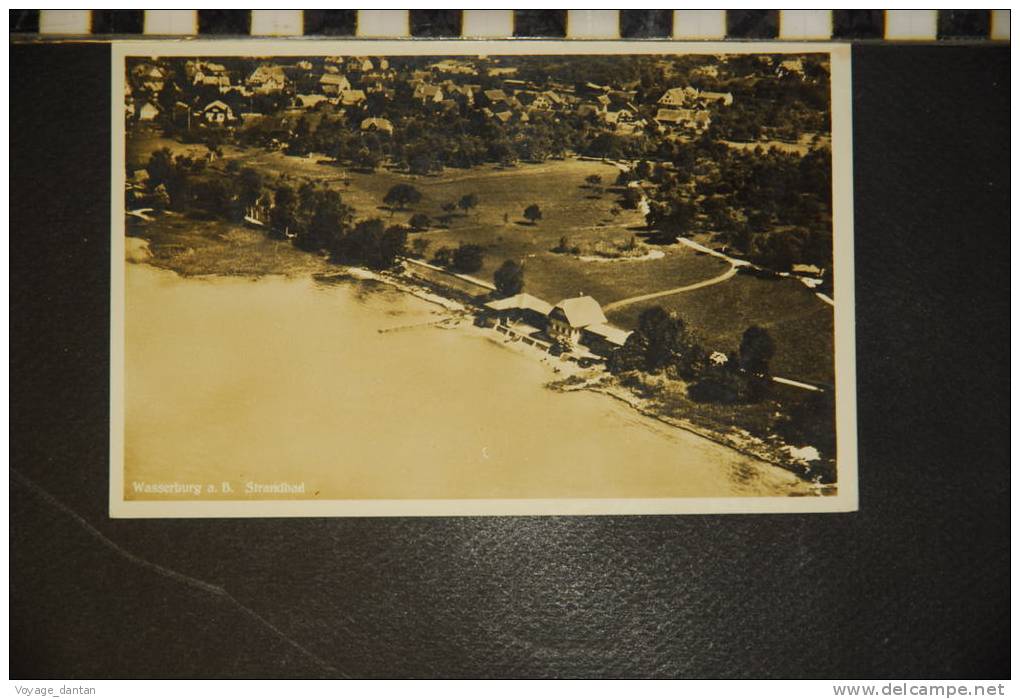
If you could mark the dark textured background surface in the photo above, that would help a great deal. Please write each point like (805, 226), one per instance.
(915, 584)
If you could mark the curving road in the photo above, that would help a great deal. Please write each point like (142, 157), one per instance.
(728, 274)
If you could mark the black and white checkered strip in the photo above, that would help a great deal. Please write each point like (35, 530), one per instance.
(903, 25)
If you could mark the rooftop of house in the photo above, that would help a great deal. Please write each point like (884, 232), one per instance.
(581, 311)
(376, 123)
(352, 96)
(610, 333)
(521, 302)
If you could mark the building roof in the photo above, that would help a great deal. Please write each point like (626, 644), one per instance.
(333, 79)
(308, 101)
(217, 104)
(610, 333)
(520, 302)
(724, 97)
(352, 96)
(674, 116)
(581, 311)
(427, 91)
(265, 73)
(377, 124)
(679, 94)
(496, 96)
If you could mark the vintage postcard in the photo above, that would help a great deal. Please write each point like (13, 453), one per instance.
(481, 278)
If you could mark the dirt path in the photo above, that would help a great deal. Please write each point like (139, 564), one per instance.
(728, 274)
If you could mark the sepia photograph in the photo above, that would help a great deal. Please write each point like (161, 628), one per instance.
(444, 278)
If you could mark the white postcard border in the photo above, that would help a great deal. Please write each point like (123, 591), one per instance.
(843, 247)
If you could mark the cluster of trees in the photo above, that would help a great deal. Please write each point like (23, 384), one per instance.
(664, 343)
(466, 258)
(771, 206)
(187, 183)
(318, 220)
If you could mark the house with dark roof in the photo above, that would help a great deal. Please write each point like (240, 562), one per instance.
(497, 100)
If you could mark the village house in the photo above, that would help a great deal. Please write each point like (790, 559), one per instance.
(150, 77)
(454, 66)
(352, 98)
(790, 66)
(603, 339)
(535, 101)
(377, 124)
(707, 98)
(267, 79)
(463, 94)
(593, 89)
(217, 113)
(687, 119)
(496, 100)
(360, 65)
(678, 97)
(333, 84)
(522, 308)
(148, 111)
(428, 94)
(571, 316)
(309, 101)
(575, 323)
(208, 75)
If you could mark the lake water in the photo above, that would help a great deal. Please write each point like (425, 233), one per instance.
(290, 380)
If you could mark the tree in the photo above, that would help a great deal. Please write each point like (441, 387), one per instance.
(160, 199)
(161, 167)
(467, 258)
(328, 220)
(661, 341)
(509, 278)
(419, 246)
(533, 213)
(400, 196)
(593, 180)
(392, 246)
(443, 257)
(374, 245)
(631, 198)
(670, 218)
(250, 186)
(420, 222)
(366, 160)
(756, 350)
(468, 202)
(283, 216)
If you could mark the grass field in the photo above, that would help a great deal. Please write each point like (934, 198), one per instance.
(799, 322)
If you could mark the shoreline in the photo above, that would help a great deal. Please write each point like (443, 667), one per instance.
(434, 293)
